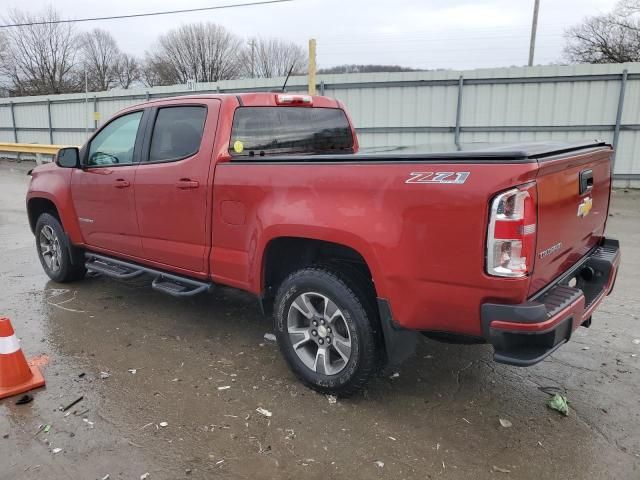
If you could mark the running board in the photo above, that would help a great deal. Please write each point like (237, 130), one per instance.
(174, 285)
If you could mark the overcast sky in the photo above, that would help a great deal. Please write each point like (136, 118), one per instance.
(418, 33)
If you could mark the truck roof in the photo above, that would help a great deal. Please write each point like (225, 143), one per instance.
(249, 99)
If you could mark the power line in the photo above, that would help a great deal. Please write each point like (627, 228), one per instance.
(150, 14)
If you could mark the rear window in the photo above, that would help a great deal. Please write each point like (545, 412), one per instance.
(261, 131)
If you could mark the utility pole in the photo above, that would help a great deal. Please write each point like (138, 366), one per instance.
(86, 103)
(252, 43)
(534, 28)
(312, 66)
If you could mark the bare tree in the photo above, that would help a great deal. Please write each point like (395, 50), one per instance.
(39, 59)
(609, 38)
(152, 74)
(100, 54)
(205, 52)
(272, 57)
(127, 70)
(352, 68)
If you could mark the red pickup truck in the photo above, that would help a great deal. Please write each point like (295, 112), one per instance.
(354, 254)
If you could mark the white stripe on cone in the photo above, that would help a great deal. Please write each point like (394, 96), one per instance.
(9, 345)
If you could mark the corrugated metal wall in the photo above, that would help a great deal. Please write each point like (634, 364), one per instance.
(404, 109)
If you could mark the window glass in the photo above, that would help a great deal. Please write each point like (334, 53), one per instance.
(279, 130)
(114, 144)
(177, 133)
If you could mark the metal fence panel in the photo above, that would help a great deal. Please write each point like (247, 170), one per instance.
(402, 109)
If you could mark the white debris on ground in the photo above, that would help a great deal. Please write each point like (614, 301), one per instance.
(104, 375)
(270, 336)
(263, 411)
(164, 424)
(505, 423)
(332, 399)
(379, 464)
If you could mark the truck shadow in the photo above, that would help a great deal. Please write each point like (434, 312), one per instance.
(228, 317)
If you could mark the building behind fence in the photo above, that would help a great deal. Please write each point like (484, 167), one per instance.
(403, 109)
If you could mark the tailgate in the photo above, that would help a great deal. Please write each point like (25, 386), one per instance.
(571, 217)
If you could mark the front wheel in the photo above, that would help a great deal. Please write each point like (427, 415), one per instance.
(53, 252)
(325, 331)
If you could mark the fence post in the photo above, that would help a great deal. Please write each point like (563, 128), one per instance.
(456, 134)
(322, 87)
(616, 131)
(49, 117)
(13, 123)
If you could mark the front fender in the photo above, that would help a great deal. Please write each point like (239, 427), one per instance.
(53, 183)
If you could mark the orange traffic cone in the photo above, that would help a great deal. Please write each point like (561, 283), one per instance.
(16, 376)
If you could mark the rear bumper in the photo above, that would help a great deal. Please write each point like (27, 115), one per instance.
(525, 334)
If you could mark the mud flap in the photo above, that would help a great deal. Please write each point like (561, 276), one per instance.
(399, 342)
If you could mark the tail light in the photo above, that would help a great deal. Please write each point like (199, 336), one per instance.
(511, 237)
(286, 99)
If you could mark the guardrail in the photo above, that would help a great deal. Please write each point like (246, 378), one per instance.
(42, 153)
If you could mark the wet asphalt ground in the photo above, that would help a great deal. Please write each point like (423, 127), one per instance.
(203, 367)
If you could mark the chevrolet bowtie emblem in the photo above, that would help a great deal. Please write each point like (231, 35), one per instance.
(585, 207)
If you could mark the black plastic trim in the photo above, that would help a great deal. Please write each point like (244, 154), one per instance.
(399, 342)
(524, 348)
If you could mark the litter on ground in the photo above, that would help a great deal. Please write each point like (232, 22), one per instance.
(559, 403)
(501, 470)
(505, 423)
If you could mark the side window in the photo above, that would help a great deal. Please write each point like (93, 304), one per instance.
(114, 144)
(177, 133)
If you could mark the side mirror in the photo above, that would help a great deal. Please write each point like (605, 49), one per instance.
(68, 157)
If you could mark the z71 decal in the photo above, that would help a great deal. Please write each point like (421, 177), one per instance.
(437, 177)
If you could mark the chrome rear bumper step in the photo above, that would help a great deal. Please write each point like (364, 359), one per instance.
(169, 283)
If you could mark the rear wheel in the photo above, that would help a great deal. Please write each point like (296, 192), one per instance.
(325, 331)
(53, 252)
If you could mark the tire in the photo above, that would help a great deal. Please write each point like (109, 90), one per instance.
(339, 353)
(55, 251)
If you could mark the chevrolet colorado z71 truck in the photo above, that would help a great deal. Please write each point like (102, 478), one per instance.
(354, 254)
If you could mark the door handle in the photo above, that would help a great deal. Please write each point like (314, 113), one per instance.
(121, 183)
(586, 181)
(185, 184)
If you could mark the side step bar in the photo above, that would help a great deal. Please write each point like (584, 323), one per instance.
(174, 285)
